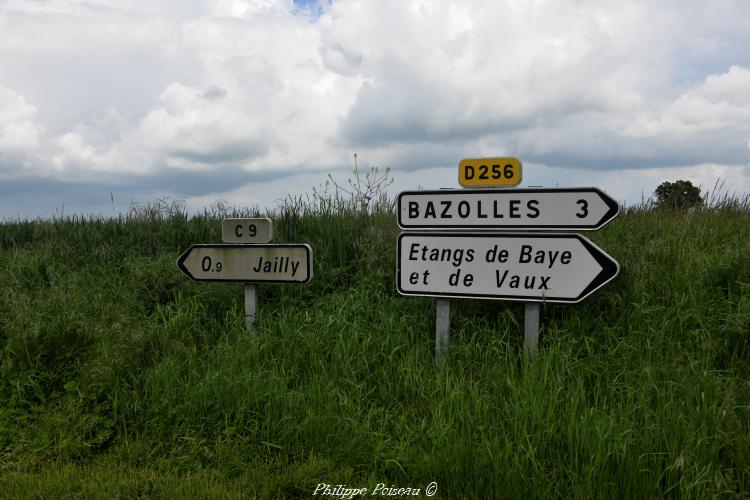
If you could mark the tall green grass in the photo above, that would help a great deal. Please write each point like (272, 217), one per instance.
(121, 377)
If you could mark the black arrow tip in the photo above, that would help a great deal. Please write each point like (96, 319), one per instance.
(613, 208)
(181, 262)
(610, 268)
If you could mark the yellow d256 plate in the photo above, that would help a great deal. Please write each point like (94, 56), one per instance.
(489, 172)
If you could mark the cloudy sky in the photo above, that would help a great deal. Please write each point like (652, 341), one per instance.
(108, 102)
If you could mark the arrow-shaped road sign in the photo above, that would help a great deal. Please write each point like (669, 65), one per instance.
(268, 263)
(544, 208)
(513, 266)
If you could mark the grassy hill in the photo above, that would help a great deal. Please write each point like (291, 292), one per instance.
(120, 377)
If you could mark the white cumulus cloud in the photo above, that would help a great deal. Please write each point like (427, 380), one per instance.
(204, 97)
(19, 132)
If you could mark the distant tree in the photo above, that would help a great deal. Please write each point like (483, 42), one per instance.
(678, 194)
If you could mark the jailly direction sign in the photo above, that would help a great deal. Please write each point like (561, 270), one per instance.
(586, 208)
(262, 263)
(511, 266)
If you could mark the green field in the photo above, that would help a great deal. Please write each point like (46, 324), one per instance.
(120, 377)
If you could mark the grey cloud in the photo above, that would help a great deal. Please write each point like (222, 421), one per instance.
(30, 197)
(338, 58)
(193, 183)
(214, 93)
(605, 150)
(406, 113)
(571, 132)
(221, 154)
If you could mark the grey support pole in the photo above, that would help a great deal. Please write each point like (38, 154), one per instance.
(531, 330)
(250, 307)
(442, 327)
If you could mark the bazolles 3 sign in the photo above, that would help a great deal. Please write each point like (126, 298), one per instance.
(585, 208)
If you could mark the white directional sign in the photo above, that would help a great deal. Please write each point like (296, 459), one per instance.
(257, 230)
(543, 208)
(514, 266)
(269, 263)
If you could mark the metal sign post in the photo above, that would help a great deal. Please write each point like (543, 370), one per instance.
(250, 307)
(442, 327)
(531, 330)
